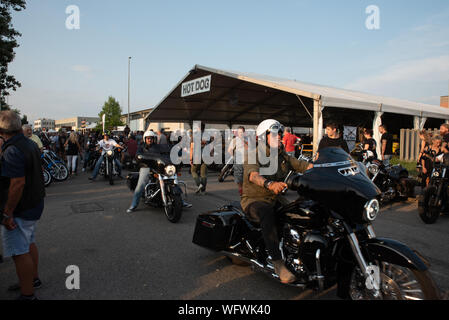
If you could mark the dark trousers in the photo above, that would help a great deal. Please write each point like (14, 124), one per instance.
(265, 214)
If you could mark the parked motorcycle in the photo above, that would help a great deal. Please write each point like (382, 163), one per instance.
(326, 236)
(227, 170)
(54, 165)
(393, 181)
(47, 177)
(163, 189)
(434, 199)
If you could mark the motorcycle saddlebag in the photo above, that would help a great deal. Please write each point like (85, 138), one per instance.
(131, 180)
(214, 230)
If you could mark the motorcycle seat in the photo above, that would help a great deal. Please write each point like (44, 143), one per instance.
(238, 207)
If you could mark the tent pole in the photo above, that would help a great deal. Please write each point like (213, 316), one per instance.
(317, 115)
(311, 117)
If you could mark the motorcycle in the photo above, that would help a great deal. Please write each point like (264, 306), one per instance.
(326, 237)
(108, 168)
(163, 189)
(393, 181)
(227, 170)
(434, 199)
(53, 164)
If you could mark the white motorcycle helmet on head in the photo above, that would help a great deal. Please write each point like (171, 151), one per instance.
(150, 134)
(269, 125)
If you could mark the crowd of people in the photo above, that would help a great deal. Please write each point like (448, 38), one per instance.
(22, 194)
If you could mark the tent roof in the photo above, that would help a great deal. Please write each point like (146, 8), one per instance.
(218, 105)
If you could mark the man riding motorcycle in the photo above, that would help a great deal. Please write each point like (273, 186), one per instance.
(149, 146)
(261, 194)
(106, 145)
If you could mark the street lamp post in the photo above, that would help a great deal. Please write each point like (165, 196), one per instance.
(129, 85)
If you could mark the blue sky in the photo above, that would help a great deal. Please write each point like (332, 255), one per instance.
(66, 73)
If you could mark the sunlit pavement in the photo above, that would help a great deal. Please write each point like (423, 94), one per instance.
(144, 256)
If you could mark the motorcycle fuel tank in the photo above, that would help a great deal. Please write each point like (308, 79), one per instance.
(338, 182)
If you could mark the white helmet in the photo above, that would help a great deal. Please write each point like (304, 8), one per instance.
(149, 134)
(269, 125)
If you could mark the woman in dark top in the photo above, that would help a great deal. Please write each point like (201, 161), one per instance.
(431, 153)
(73, 148)
(369, 143)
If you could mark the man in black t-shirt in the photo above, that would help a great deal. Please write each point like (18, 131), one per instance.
(386, 145)
(444, 132)
(333, 138)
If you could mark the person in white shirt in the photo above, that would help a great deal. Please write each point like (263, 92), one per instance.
(106, 145)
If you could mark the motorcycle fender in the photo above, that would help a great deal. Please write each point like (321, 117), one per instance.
(176, 190)
(395, 252)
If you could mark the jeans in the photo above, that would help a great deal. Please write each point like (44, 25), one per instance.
(98, 165)
(387, 159)
(144, 178)
(87, 155)
(71, 163)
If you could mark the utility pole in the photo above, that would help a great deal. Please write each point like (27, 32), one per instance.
(129, 85)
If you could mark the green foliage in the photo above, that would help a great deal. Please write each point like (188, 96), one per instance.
(8, 43)
(409, 165)
(113, 112)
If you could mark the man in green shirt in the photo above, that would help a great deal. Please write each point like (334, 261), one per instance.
(262, 193)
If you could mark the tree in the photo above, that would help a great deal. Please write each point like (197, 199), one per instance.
(8, 43)
(113, 112)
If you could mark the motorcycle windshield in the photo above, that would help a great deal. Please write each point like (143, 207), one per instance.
(340, 183)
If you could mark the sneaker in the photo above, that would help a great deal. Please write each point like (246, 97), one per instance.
(200, 188)
(131, 210)
(91, 179)
(37, 283)
(285, 276)
(187, 205)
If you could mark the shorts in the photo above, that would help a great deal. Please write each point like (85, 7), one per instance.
(238, 173)
(17, 242)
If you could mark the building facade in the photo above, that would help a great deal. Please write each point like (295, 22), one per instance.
(444, 101)
(76, 123)
(44, 124)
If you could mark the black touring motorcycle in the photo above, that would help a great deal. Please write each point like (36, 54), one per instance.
(326, 236)
(434, 199)
(163, 189)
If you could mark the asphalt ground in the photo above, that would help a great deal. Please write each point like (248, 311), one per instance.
(142, 256)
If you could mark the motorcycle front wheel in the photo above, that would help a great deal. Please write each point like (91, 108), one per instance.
(59, 172)
(173, 211)
(396, 283)
(428, 212)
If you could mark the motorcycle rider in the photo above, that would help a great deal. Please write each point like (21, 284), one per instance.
(149, 145)
(261, 194)
(106, 145)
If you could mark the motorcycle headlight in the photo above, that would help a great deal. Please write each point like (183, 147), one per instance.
(371, 210)
(373, 169)
(170, 170)
(109, 153)
(436, 174)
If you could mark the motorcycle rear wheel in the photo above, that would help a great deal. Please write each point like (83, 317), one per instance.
(397, 283)
(47, 178)
(429, 213)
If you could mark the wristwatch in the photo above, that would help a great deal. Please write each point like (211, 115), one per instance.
(267, 184)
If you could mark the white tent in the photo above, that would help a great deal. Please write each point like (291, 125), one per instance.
(248, 98)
